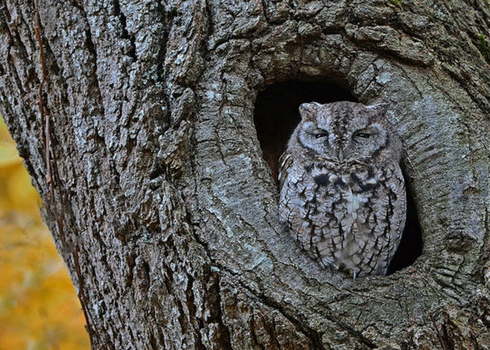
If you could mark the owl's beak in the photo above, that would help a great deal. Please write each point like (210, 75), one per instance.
(341, 155)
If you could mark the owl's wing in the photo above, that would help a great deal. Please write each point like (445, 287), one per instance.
(285, 163)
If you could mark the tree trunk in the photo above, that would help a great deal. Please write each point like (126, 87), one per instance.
(136, 122)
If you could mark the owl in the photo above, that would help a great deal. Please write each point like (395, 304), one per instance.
(342, 192)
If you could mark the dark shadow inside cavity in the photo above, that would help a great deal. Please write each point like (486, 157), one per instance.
(410, 246)
(276, 116)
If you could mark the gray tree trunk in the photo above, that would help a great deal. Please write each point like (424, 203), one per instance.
(143, 147)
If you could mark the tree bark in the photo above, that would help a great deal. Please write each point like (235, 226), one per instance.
(137, 127)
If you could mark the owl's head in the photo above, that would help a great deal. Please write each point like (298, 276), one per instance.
(346, 132)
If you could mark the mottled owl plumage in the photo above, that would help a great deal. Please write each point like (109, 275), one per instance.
(342, 189)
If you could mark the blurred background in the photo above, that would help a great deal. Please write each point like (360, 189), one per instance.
(38, 305)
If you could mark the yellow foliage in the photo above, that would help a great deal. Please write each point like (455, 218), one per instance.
(38, 305)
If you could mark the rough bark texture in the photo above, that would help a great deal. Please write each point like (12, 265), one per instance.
(163, 207)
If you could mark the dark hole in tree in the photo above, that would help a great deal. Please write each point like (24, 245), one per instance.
(410, 246)
(276, 116)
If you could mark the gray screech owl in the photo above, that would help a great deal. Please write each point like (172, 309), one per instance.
(342, 189)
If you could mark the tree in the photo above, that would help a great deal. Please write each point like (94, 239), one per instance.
(136, 122)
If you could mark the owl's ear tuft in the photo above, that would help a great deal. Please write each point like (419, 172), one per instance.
(380, 108)
(308, 109)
